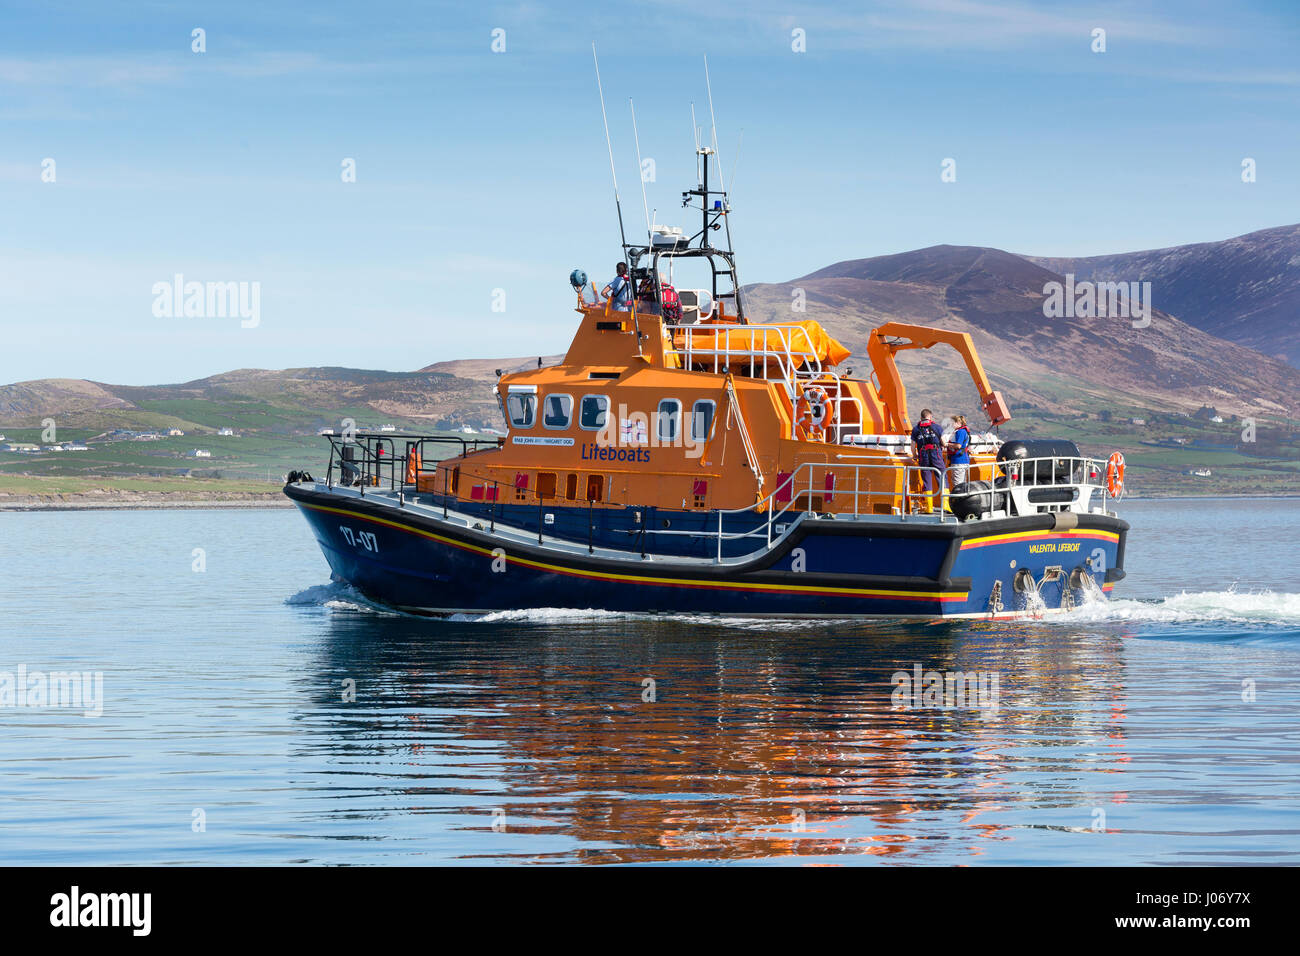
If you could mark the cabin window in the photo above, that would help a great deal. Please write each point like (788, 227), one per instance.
(571, 487)
(592, 413)
(670, 414)
(702, 420)
(546, 484)
(557, 410)
(522, 408)
(595, 487)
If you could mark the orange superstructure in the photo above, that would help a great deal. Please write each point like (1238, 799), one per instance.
(675, 400)
(706, 416)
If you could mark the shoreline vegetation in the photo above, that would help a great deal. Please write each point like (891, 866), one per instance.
(140, 497)
(25, 493)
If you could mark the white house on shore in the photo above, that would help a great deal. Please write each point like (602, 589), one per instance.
(202, 453)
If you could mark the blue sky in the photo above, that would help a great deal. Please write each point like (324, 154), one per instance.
(479, 171)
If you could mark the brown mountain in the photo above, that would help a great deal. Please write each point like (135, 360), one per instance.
(1058, 364)
(1245, 290)
(284, 400)
(1054, 363)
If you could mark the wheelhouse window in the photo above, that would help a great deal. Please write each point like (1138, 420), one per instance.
(669, 418)
(591, 415)
(521, 408)
(702, 420)
(557, 410)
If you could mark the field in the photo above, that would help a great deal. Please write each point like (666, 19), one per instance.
(275, 436)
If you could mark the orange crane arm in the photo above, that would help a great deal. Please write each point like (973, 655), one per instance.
(895, 337)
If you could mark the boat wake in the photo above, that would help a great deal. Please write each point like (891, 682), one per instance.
(338, 596)
(554, 615)
(1229, 614)
(1199, 615)
(341, 597)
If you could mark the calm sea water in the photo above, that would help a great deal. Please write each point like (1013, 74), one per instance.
(1121, 734)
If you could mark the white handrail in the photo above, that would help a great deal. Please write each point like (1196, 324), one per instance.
(1082, 471)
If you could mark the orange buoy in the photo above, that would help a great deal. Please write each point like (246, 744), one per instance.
(1115, 475)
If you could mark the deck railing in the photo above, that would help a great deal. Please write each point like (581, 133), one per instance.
(365, 460)
(372, 462)
(801, 489)
(757, 345)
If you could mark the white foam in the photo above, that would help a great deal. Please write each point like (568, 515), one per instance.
(1260, 607)
(316, 596)
(1232, 606)
(338, 596)
(554, 615)
(542, 615)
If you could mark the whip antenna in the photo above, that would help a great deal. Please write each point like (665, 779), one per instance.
(713, 122)
(640, 172)
(695, 131)
(622, 235)
(610, 146)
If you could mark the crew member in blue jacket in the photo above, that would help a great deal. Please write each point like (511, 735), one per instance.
(959, 453)
(927, 449)
(620, 289)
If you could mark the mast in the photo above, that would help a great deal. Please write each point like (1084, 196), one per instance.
(704, 215)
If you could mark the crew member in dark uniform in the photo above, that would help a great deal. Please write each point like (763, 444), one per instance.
(927, 449)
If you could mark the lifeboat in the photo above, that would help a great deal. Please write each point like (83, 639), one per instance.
(681, 458)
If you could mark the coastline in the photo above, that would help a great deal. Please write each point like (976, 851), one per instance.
(166, 501)
(139, 501)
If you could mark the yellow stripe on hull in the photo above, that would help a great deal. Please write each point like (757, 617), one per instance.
(940, 596)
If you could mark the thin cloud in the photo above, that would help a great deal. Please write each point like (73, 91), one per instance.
(953, 24)
(143, 70)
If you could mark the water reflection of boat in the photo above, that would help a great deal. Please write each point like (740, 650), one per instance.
(757, 744)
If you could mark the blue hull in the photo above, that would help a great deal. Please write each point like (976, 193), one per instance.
(822, 568)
